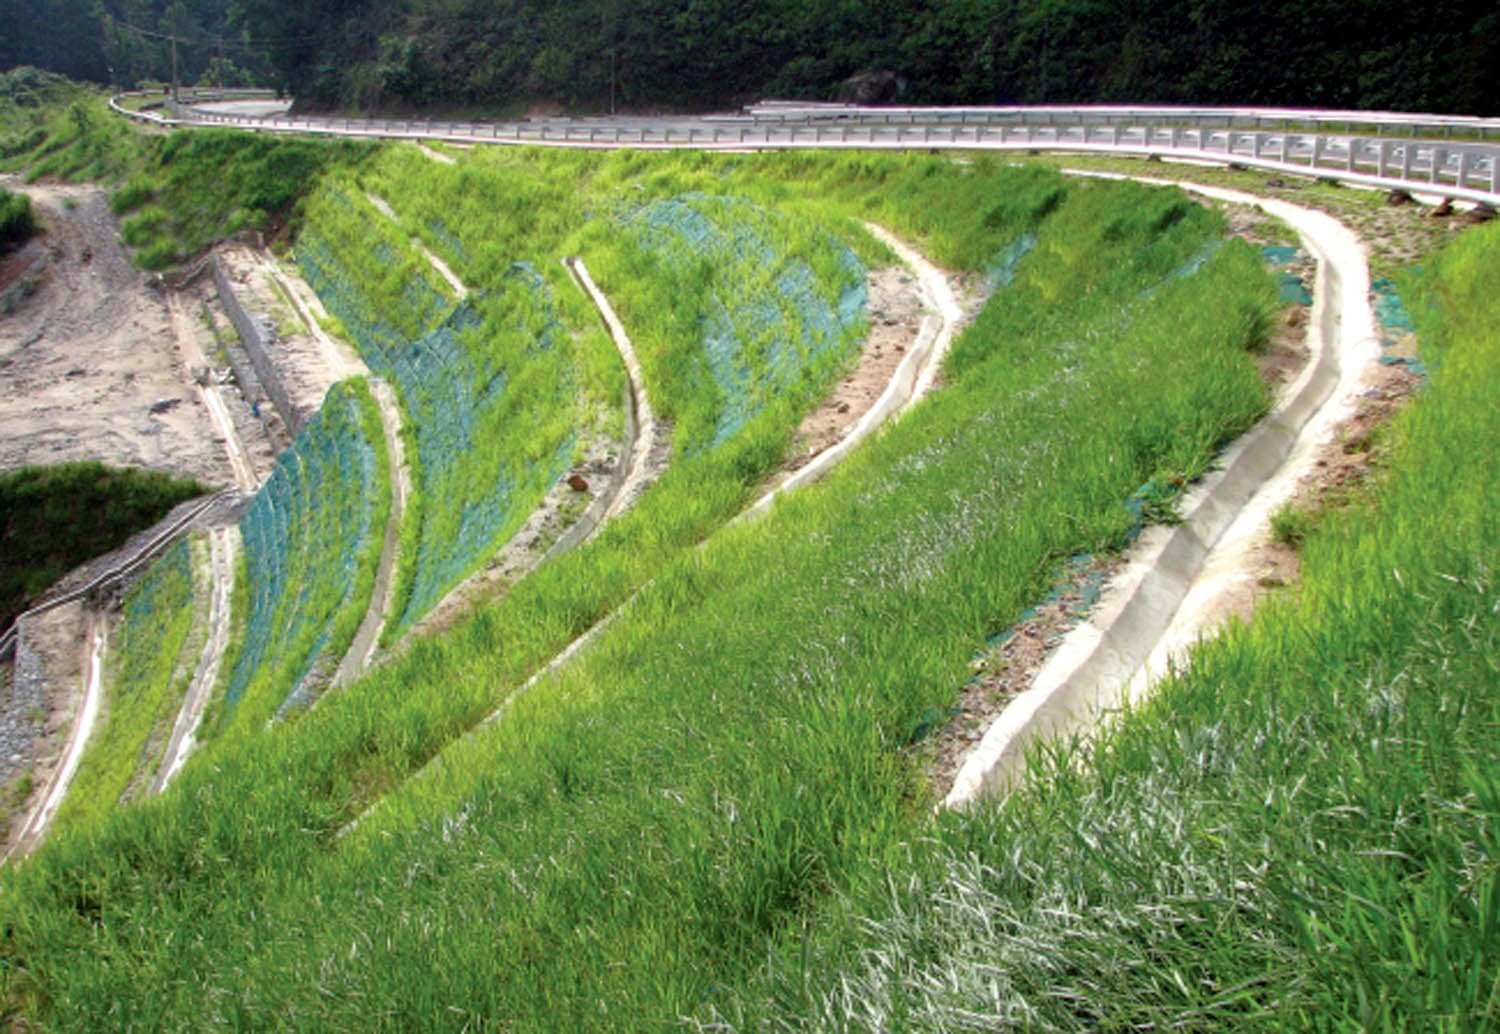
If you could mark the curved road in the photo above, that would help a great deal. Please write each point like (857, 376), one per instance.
(1466, 169)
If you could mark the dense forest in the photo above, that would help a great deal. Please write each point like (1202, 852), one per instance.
(597, 55)
(126, 42)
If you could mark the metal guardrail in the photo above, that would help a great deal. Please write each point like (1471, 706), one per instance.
(1468, 171)
(1380, 123)
(116, 573)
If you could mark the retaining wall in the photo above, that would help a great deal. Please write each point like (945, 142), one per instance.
(260, 343)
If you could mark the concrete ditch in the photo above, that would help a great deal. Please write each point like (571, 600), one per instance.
(1169, 594)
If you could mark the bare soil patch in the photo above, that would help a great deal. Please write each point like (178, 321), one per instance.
(89, 368)
(60, 640)
(896, 309)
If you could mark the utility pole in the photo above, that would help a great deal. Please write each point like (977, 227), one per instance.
(174, 68)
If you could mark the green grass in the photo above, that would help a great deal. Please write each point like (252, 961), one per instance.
(1298, 833)
(313, 538)
(17, 223)
(489, 385)
(152, 657)
(498, 217)
(194, 188)
(74, 137)
(54, 518)
(634, 831)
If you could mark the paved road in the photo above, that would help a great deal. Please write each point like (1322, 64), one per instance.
(1447, 155)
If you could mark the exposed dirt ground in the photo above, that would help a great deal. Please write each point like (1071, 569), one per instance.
(896, 310)
(89, 368)
(60, 639)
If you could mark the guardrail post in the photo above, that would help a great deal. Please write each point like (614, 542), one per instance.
(1317, 150)
(1439, 156)
(1349, 159)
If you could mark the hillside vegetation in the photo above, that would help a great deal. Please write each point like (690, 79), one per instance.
(1382, 55)
(151, 660)
(313, 535)
(639, 829)
(1299, 833)
(476, 54)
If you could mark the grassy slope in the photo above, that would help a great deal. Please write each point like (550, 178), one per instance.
(193, 188)
(1300, 833)
(151, 661)
(313, 538)
(489, 386)
(738, 772)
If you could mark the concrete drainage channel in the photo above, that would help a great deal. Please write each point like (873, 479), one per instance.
(1175, 579)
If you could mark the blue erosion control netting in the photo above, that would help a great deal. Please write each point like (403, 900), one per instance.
(162, 592)
(166, 587)
(1000, 271)
(304, 532)
(452, 381)
(1395, 325)
(767, 316)
(1278, 258)
(1197, 261)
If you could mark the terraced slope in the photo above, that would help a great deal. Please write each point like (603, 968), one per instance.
(1299, 833)
(635, 831)
(743, 275)
(488, 384)
(313, 536)
(153, 655)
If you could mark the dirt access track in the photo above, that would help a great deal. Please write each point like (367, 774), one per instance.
(89, 353)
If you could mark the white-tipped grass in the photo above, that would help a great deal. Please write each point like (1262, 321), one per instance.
(1299, 833)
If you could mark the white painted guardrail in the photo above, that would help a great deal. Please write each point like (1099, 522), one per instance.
(1461, 170)
(1380, 123)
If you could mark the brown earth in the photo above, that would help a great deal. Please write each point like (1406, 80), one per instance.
(88, 356)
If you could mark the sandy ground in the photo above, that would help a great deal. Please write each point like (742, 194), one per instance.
(86, 359)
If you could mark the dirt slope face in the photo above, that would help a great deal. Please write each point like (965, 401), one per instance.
(88, 356)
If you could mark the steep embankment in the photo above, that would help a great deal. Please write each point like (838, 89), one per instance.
(727, 750)
(1291, 832)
